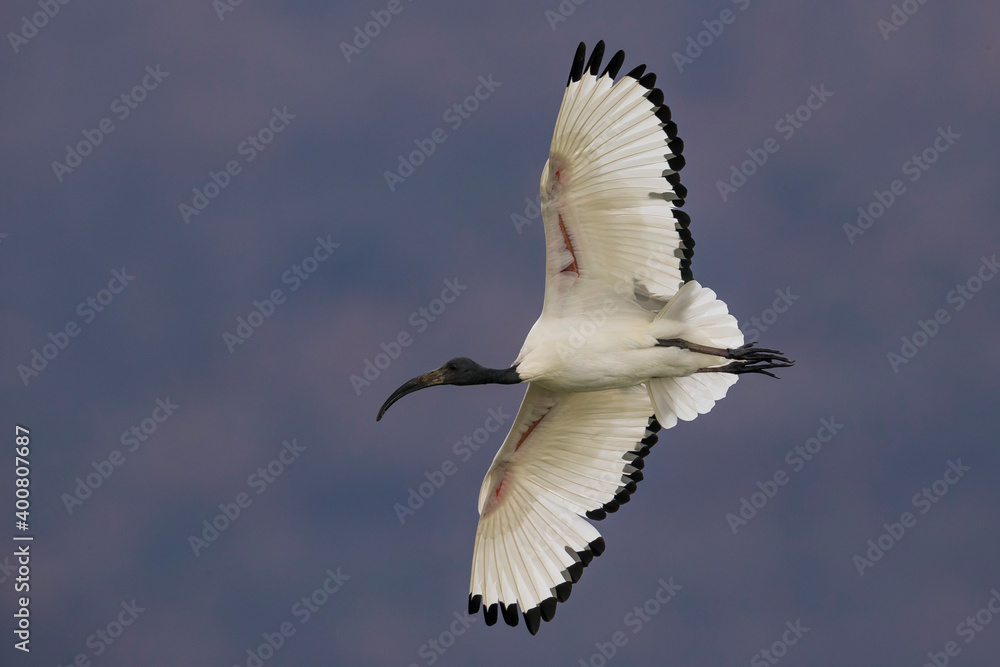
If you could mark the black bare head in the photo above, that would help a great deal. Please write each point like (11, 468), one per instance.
(460, 371)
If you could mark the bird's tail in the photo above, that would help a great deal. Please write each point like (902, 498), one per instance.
(697, 316)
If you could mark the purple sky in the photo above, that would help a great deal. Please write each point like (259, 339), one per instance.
(320, 182)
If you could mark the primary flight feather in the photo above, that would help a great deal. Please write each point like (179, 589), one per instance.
(627, 343)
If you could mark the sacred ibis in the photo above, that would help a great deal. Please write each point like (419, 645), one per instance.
(627, 343)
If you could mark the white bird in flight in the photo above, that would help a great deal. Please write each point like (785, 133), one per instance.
(627, 342)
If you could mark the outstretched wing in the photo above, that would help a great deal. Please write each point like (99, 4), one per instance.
(610, 190)
(568, 455)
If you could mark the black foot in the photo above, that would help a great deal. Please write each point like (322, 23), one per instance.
(750, 359)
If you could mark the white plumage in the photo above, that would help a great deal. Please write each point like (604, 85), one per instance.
(627, 343)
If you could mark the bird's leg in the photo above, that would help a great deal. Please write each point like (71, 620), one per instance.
(750, 359)
(694, 347)
(746, 358)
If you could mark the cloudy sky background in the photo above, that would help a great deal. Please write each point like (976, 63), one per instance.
(323, 177)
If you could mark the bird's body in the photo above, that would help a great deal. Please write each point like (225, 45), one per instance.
(606, 350)
(627, 343)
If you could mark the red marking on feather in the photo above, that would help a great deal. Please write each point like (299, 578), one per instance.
(569, 246)
(525, 435)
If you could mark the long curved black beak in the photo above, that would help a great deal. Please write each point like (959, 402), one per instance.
(421, 381)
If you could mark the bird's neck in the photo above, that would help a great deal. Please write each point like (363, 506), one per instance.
(501, 376)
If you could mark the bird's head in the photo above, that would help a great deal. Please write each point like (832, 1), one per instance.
(460, 371)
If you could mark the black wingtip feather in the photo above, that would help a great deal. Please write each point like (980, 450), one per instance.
(655, 96)
(533, 619)
(598, 546)
(474, 602)
(677, 163)
(615, 64)
(548, 609)
(648, 81)
(637, 72)
(563, 590)
(597, 515)
(509, 614)
(577, 71)
(663, 113)
(685, 235)
(596, 57)
(491, 614)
